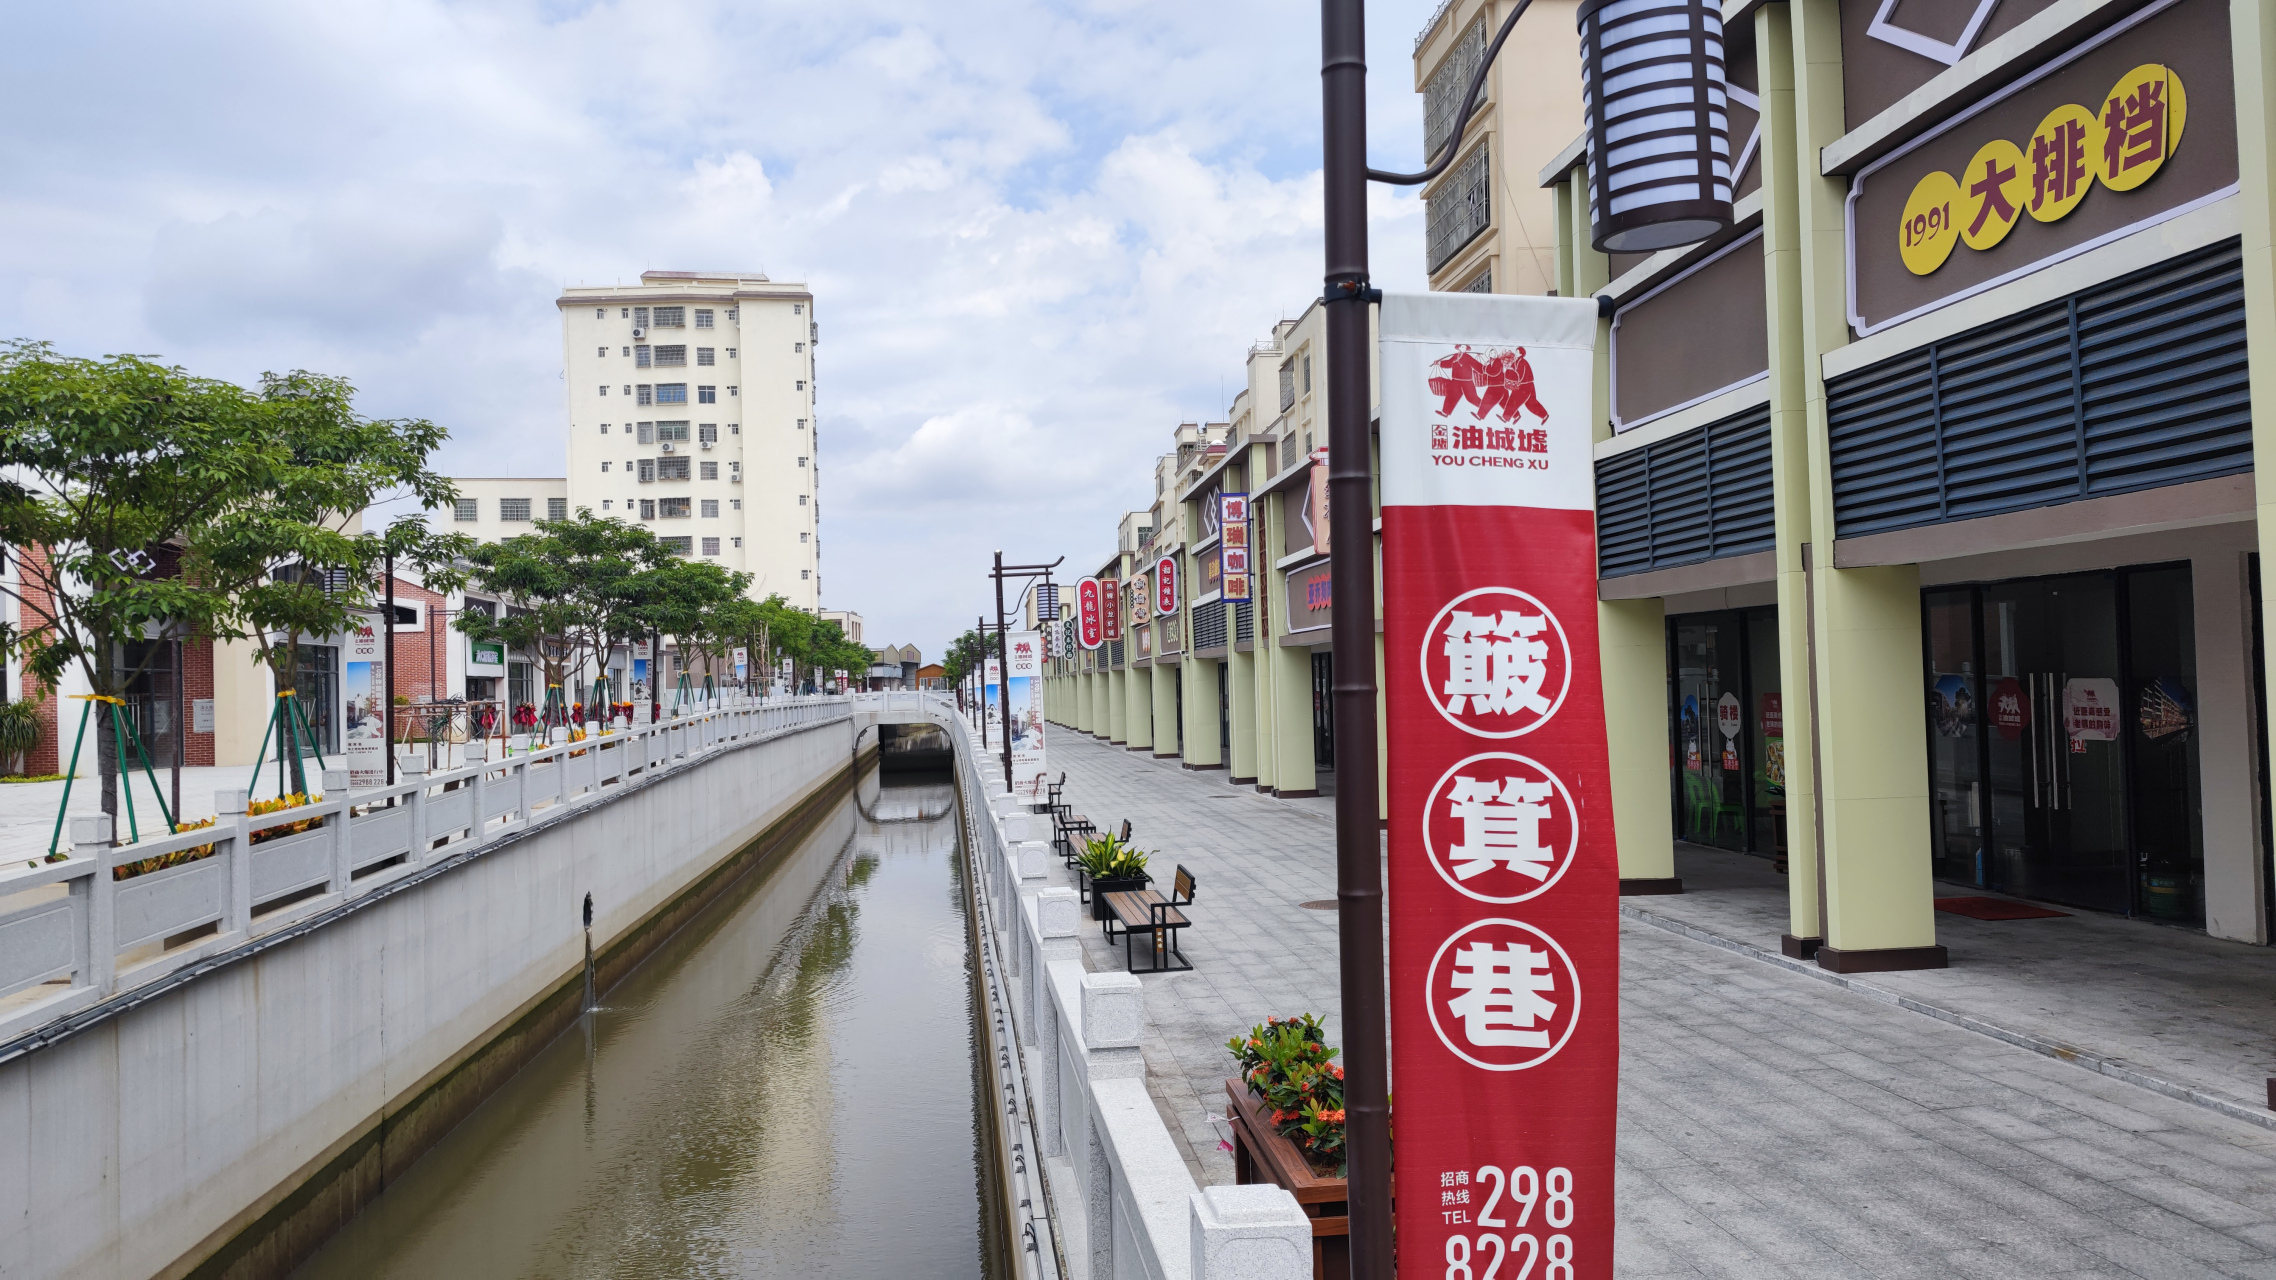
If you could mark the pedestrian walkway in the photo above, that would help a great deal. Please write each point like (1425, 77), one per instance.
(1773, 1122)
(27, 809)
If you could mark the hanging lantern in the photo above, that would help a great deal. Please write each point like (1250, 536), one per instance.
(1659, 132)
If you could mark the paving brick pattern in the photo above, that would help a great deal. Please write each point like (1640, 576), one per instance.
(1771, 1125)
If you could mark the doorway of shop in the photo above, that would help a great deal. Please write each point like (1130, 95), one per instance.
(1727, 727)
(2062, 745)
(1225, 715)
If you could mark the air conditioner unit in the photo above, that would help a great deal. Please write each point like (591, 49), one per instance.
(707, 444)
(736, 478)
(639, 332)
(667, 446)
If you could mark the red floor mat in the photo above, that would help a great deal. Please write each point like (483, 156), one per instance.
(1995, 909)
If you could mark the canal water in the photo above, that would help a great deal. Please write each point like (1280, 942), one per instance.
(787, 1088)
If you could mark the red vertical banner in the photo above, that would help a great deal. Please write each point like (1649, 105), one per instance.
(1504, 882)
(1166, 585)
(1090, 613)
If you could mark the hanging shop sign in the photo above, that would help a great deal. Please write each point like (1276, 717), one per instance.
(1316, 501)
(1233, 545)
(1110, 603)
(1090, 614)
(1311, 597)
(1141, 590)
(1504, 944)
(1166, 585)
(2078, 154)
(485, 658)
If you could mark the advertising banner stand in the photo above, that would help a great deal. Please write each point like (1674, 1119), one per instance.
(1023, 681)
(1504, 878)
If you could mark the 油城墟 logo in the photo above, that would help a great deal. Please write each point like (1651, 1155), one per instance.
(1485, 397)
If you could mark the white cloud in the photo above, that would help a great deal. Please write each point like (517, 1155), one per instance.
(1039, 234)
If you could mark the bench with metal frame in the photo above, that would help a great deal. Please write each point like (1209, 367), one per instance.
(1145, 911)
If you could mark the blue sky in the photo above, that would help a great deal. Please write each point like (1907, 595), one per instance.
(1039, 234)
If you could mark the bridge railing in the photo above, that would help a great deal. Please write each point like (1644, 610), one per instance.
(1103, 1190)
(109, 920)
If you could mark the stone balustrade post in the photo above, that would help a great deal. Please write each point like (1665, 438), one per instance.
(478, 758)
(343, 850)
(231, 824)
(91, 839)
(1058, 916)
(1255, 1232)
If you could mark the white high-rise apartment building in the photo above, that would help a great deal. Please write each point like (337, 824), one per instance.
(691, 413)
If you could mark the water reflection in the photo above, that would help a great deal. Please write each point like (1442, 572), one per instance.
(787, 1089)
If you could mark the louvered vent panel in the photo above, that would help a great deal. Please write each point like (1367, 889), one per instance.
(2133, 384)
(1209, 625)
(1623, 514)
(1680, 524)
(1739, 465)
(2162, 369)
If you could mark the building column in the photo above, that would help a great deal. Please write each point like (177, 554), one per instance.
(1197, 737)
(2252, 42)
(1790, 383)
(1117, 706)
(1632, 643)
(1294, 771)
(1865, 624)
(2228, 755)
(1166, 726)
(1140, 691)
(1240, 673)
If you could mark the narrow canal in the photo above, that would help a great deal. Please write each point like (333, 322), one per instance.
(787, 1088)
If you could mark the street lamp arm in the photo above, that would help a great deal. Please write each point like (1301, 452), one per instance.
(1469, 104)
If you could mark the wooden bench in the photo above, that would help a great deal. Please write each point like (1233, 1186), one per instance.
(1145, 911)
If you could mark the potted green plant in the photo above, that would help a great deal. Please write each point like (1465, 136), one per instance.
(1111, 865)
(19, 731)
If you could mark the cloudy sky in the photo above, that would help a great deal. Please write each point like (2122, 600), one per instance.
(1039, 234)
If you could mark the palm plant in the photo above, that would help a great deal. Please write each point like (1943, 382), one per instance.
(19, 730)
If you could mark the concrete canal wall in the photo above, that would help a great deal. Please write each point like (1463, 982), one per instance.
(221, 1107)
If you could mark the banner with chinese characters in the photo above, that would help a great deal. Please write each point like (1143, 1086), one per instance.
(1504, 881)
(1233, 545)
(365, 743)
(1023, 680)
(1090, 613)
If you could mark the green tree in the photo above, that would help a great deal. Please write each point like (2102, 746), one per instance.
(570, 590)
(151, 501)
(966, 654)
(673, 599)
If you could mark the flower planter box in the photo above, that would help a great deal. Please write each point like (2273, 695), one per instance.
(1113, 884)
(1260, 1154)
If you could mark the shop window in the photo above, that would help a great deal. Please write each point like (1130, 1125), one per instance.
(1728, 722)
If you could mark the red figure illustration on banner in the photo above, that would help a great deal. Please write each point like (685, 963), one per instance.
(1501, 383)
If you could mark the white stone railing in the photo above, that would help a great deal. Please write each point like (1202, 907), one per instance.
(72, 935)
(1106, 1194)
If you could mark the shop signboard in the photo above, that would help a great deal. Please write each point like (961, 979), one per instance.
(1141, 590)
(1316, 501)
(1212, 573)
(1026, 676)
(1110, 600)
(1504, 880)
(365, 708)
(742, 664)
(1166, 585)
(1090, 613)
(1233, 545)
(2133, 127)
(1311, 597)
(485, 658)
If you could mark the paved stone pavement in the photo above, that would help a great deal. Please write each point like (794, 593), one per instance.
(1771, 1124)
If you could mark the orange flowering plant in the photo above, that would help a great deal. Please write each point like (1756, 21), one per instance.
(1286, 1062)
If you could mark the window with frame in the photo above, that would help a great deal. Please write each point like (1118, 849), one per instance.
(735, 504)
(673, 468)
(734, 428)
(600, 313)
(643, 356)
(707, 395)
(798, 347)
(604, 390)
(802, 424)
(647, 433)
(671, 317)
(640, 317)
(606, 504)
(671, 508)
(678, 546)
(732, 390)
(604, 468)
(738, 543)
(604, 351)
(647, 395)
(647, 508)
(710, 508)
(804, 574)
(514, 509)
(1307, 373)
(707, 471)
(703, 317)
(711, 546)
(557, 508)
(604, 428)
(707, 432)
(730, 353)
(671, 393)
(703, 356)
(802, 384)
(802, 499)
(467, 509)
(674, 356)
(677, 432)
(647, 471)
(734, 313)
(1287, 385)
(798, 308)
(802, 459)
(804, 536)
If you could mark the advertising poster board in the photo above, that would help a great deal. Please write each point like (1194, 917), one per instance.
(992, 706)
(1090, 613)
(1166, 585)
(1504, 879)
(1025, 680)
(365, 709)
